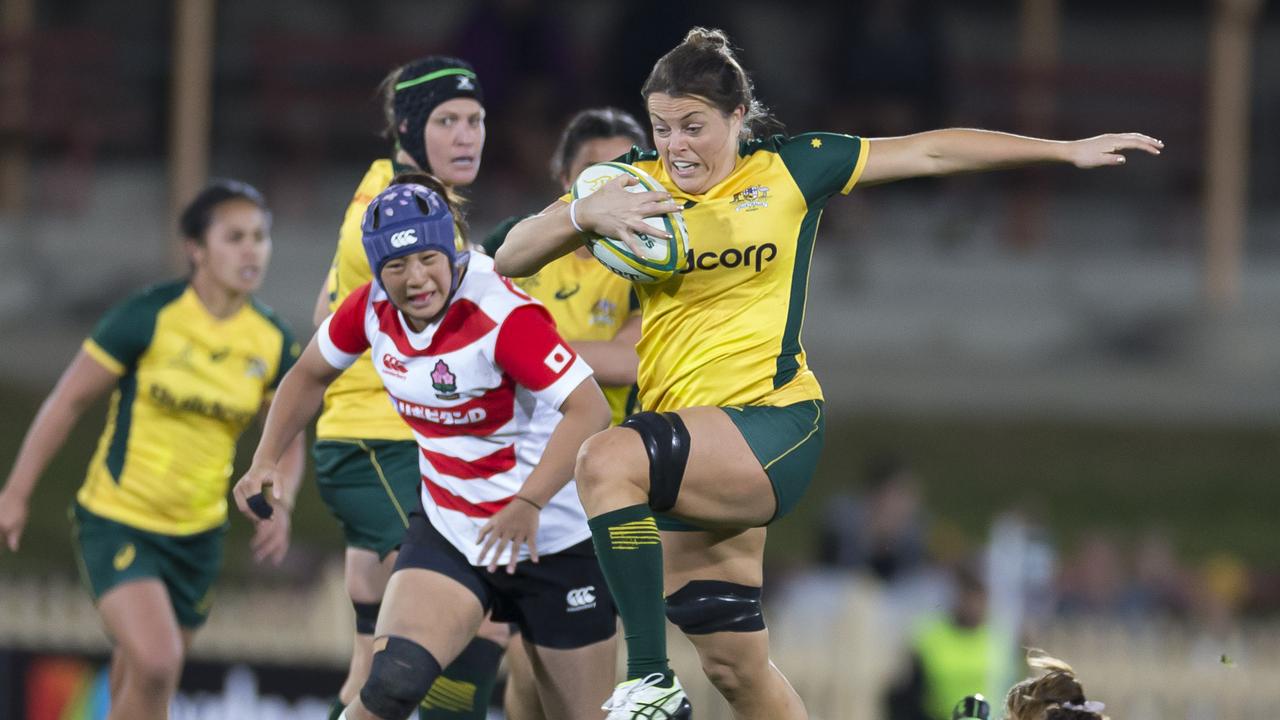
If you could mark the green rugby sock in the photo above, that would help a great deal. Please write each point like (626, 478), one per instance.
(463, 690)
(335, 709)
(630, 554)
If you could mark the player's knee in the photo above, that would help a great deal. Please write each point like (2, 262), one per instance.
(601, 465)
(611, 462)
(399, 677)
(704, 607)
(155, 671)
(666, 442)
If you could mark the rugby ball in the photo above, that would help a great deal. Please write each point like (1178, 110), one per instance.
(659, 258)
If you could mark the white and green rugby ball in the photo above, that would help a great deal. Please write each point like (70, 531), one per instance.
(661, 258)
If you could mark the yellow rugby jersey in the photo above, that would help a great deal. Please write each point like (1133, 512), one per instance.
(356, 405)
(189, 385)
(588, 302)
(725, 330)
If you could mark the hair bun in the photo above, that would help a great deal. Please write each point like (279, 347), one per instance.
(707, 39)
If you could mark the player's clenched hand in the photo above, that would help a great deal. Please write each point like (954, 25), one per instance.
(259, 479)
(1109, 149)
(271, 538)
(513, 526)
(13, 518)
(613, 211)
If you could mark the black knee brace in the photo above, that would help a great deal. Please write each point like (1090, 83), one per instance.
(399, 677)
(666, 442)
(366, 617)
(702, 607)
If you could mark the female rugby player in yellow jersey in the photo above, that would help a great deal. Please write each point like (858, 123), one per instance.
(366, 458)
(192, 362)
(735, 415)
(594, 310)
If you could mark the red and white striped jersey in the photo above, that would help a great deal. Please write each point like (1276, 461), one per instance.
(480, 388)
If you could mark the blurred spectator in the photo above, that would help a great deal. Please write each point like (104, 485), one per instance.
(1159, 585)
(882, 532)
(951, 655)
(1224, 588)
(1092, 578)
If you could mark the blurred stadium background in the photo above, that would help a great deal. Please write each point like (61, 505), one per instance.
(1072, 375)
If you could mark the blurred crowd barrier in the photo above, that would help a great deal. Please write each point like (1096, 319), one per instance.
(841, 655)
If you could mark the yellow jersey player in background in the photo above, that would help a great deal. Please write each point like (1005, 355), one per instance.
(192, 363)
(366, 457)
(734, 416)
(594, 309)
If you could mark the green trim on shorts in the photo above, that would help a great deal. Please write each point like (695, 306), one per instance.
(371, 487)
(110, 553)
(787, 442)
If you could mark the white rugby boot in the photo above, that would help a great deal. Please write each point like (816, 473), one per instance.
(642, 699)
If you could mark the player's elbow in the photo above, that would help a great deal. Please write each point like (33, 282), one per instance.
(507, 259)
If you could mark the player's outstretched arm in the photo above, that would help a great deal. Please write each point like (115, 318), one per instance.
(297, 400)
(84, 381)
(611, 211)
(944, 152)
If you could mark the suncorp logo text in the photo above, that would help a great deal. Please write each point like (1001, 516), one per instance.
(752, 256)
(404, 238)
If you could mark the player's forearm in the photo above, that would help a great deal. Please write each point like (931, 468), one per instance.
(292, 465)
(614, 363)
(297, 401)
(585, 414)
(963, 150)
(536, 241)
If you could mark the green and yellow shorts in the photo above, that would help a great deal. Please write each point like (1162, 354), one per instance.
(112, 553)
(371, 487)
(786, 440)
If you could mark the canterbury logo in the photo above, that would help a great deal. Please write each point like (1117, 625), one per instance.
(404, 238)
(629, 536)
(453, 696)
(465, 83)
(393, 363)
(583, 598)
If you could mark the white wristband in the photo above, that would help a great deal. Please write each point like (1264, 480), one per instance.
(573, 215)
